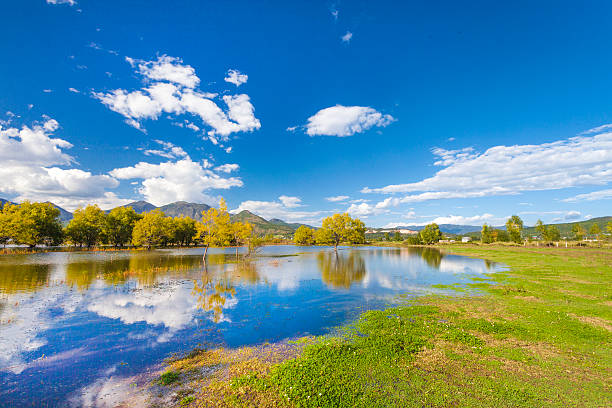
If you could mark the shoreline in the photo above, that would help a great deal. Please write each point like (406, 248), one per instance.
(482, 336)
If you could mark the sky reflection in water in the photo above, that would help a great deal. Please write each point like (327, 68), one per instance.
(72, 323)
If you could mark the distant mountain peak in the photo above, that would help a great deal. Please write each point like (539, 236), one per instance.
(141, 206)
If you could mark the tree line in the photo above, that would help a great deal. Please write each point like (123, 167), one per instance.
(33, 224)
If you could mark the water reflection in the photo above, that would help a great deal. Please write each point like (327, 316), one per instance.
(66, 317)
(341, 270)
(23, 277)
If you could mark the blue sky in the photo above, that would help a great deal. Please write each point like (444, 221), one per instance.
(398, 112)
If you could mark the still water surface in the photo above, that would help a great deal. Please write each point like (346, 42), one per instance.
(69, 321)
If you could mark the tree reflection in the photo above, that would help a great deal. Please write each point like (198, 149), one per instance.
(23, 277)
(145, 268)
(433, 257)
(341, 270)
(216, 288)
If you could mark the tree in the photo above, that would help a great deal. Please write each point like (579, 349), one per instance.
(214, 227)
(5, 227)
(341, 227)
(241, 232)
(414, 239)
(553, 233)
(323, 237)
(120, 225)
(151, 230)
(86, 226)
(485, 234)
(541, 229)
(578, 231)
(356, 234)
(387, 236)
(184, 230)
(500, 235)
(304, 236)
(34, 223)
(397, 236)
(514, 226)
(595, 230)
(430, 234)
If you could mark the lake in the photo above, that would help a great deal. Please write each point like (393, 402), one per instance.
(71, 320)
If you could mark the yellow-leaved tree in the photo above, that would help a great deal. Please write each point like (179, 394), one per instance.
(304, 236)
(215, 227)
(341, 228)
(241, 234)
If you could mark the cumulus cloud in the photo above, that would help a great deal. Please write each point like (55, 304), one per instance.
(290, 202)
(236, 77)
(572, 215)
(345, 121)
(30, 169)
(168, 150)
(592, 196)
(227, 168)
(282, 209)
(171, 88)
(448, 157)
(347, 37)
(365, 209)
(336, 199)
(501, 170)
(182, 180)
(166, 68)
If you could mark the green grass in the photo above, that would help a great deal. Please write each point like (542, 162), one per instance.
(169, 377)
(541, 336)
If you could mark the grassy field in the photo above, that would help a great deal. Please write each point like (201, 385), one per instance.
(539, 335)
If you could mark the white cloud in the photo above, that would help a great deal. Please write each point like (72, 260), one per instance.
(169, 150)
(227, 168)
(166, 68)
(450, 219)
(69, 2)
(347, 37)
(172, 90)
(448, 157)
(30, 158)
(183, 180)
(290, 202)
(236, 77)
(365, 209)
(361, 210)
(336, 199)
(273, 209)
(578, 161)
(592, 196)
(51, 125)
(572, 215)
(597, 129)
(74, 90)
(344, 121)
(462, 220)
